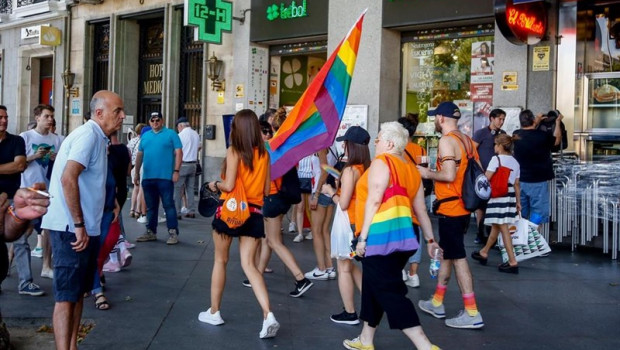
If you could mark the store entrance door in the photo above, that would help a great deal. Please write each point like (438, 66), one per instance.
(151, 68)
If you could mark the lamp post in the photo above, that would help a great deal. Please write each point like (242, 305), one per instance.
(67, 78)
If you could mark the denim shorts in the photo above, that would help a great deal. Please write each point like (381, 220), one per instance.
(73, 271)
(535, 199)
(325, 201)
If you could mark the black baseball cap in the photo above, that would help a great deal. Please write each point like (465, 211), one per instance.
(446, 109)
(156, 115)
(355, 134)
(182, 120)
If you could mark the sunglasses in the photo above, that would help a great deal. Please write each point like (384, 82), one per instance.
(155, 120)
(267, 131)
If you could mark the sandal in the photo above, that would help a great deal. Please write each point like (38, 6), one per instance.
(132, 214)
(101, 304)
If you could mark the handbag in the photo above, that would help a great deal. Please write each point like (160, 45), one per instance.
(198, 169)
(341, 235)
(499, 180)
(391, 229)
(209, 201)
(235, 209)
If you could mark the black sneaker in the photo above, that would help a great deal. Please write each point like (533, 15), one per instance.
(346, 318)
(301, 287)
(246, 283)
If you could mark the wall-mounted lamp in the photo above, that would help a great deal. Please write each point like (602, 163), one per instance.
(68, 78)
(214, 70)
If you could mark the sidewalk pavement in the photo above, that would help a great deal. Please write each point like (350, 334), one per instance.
(563, 301)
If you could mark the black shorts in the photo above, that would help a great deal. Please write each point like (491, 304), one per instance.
(274, 206)
(253, 227)
(452, 231)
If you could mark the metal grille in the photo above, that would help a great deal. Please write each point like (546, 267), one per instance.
(102, 56)
(6, 6)
(151, 68)
(21, 3)
(190, 81)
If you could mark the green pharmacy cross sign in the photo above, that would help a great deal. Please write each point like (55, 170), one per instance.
(212, 17)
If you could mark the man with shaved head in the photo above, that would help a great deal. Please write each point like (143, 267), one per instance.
(74, 215)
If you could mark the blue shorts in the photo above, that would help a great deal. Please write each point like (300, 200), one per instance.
(73, 271)
(325, 201)
(535, 199)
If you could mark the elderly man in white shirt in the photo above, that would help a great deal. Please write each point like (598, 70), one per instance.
(187, 174)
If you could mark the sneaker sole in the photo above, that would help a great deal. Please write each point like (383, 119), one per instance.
(272, 330)
(320, 278)
(302, 291)
(412, 285)
(469, 326)
(353, 323)
(172, 243)
(32, 294)
(431, 312)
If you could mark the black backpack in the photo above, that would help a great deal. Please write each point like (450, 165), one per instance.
(548, 125)
(290, 192)
(476, 189)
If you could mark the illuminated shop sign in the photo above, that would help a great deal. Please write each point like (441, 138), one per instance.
(294, 9)
(521, 21)
(211, 17)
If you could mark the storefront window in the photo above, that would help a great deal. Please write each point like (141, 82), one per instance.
(445, 68)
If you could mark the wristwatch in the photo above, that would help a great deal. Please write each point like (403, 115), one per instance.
(79, 224)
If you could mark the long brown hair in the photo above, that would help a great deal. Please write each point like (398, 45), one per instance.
(357, 154)
(245, 135)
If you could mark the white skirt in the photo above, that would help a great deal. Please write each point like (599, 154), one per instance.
(502, 210)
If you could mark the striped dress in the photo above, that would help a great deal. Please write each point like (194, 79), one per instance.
(503, 210)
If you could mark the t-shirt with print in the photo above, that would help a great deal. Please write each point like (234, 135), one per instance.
(10, 147)
(158, 153)
(36, 171)
(532, 150)
(508, 162)
(485, 138)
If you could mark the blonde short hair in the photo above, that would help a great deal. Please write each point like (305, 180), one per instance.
(395, 133)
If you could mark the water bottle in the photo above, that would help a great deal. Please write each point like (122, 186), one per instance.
(435, 263)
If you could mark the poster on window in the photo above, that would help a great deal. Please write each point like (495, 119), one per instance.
(256, 91)
(354, 115)
(482, 62)
(465, 123)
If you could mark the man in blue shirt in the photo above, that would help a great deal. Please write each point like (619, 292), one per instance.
(159, 157)
(75, 212)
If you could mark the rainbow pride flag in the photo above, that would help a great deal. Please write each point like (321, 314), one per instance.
(313, 122)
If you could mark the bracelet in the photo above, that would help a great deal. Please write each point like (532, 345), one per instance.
(361, 240)
(429, 241)
(215, 184)
(14, 215)
(175, 171)
(79, 224)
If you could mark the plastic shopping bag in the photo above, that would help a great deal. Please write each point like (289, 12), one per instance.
(536, 246)
(341, 235)
(519, 232)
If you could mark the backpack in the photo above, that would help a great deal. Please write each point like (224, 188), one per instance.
(290, 192)
(476, 189)
(235, 210)
(548, 126)
(499, 180)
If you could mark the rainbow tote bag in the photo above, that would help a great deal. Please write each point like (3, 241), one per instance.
(391, 229)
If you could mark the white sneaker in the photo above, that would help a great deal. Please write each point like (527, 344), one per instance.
(298, 238)
(142, 219)
(161, 219)
(331, 273)
(317, 274)
(308, 235)
(37, 252)
(184, 210)
(207, 317)
(292, 227)
(413, 281)
(270, 327)
(47, 274)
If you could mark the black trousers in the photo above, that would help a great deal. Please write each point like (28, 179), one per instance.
(383, 290)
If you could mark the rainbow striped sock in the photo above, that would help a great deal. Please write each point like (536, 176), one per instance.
(440, 291)
(470, 304)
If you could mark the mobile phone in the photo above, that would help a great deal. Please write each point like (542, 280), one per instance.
(46, 148)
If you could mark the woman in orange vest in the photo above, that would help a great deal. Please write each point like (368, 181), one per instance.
(356, 150)
(248, 160)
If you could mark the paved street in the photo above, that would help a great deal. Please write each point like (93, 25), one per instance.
(564, 301)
